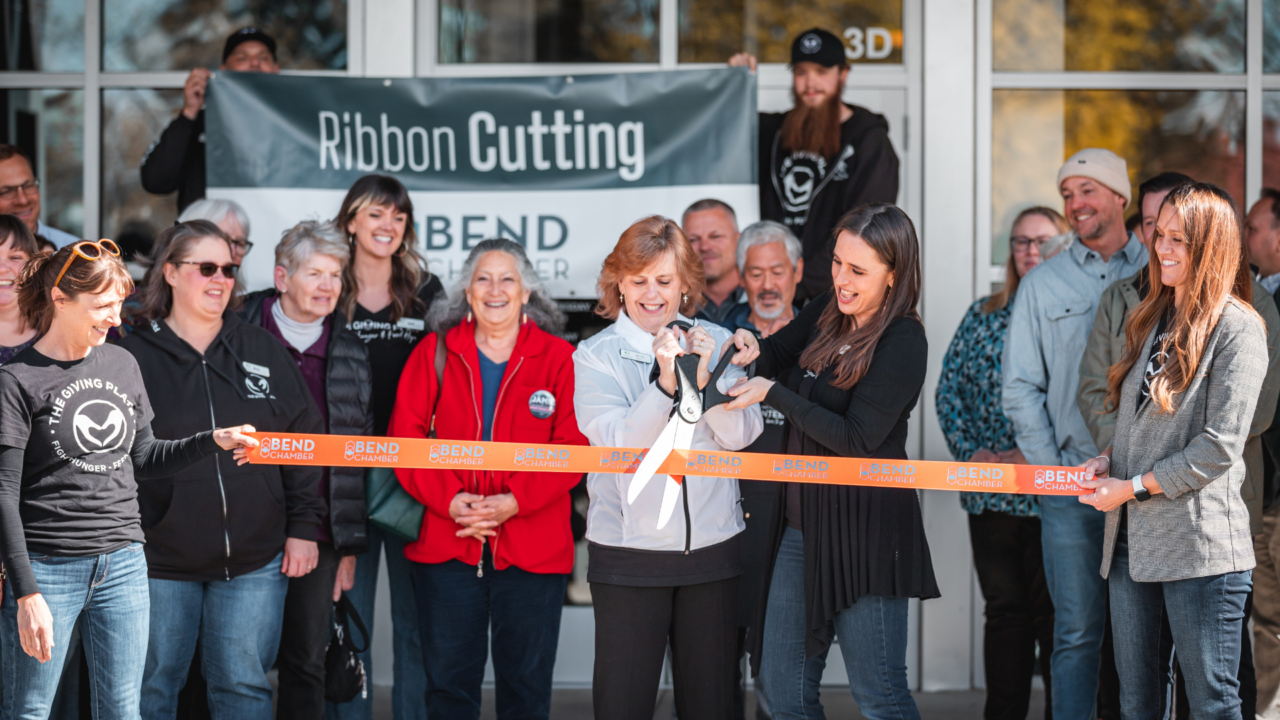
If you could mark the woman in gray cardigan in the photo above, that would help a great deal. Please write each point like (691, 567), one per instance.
(1177, 533)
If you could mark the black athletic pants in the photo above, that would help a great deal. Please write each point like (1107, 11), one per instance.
(308, 619)
(633, 627)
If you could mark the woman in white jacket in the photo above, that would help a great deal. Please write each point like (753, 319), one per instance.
(678, 583)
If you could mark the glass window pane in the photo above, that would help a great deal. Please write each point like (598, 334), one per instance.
(1197, 132)
(43, 35)
(548, 31)
(49, 127)
(1270, 141)
(1271, 35)
(131, 121)
(1132, 35)
(713, 30)
(154, 35)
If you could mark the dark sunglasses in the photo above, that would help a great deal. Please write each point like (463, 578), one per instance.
(207, 269)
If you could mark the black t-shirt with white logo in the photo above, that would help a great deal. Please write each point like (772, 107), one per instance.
(1156, 358)
(77, 422)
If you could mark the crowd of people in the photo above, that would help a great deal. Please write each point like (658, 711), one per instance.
(132, 527)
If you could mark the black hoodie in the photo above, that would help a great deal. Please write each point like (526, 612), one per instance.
(810, 194)
(216, 520)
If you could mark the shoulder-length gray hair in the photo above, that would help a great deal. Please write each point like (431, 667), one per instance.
(541, 309)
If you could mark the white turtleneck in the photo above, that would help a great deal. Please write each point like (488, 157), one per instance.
(299, 334)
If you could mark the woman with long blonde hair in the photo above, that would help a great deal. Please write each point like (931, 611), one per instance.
(1177, 534)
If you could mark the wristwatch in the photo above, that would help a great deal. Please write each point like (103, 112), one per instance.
(1140, 492)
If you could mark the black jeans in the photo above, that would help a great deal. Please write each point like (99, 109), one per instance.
(1019, 612)
(308, 613)
(633, 626)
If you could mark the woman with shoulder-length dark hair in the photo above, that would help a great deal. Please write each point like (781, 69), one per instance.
(386, 295)
(1177, 540)
(845, 374)
(493, 559)
(222, 541)
(656, 582)
(75, 437)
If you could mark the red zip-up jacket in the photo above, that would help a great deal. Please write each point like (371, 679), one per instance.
(538, 382)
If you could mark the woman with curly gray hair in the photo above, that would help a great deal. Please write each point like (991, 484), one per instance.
(496, 549)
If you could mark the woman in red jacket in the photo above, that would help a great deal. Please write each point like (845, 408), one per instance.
(496, 548)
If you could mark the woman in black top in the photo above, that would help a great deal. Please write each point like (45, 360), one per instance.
(386, 292)
(75, 433)
(845, 374)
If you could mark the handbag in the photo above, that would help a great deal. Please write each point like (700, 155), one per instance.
(391, 508)
(344, 675)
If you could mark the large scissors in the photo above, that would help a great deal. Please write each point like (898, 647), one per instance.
(690, 404)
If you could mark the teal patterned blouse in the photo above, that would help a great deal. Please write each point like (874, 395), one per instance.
(969, 407)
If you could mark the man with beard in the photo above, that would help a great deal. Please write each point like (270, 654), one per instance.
(1048, 330)
(823, 157)
(712, 228)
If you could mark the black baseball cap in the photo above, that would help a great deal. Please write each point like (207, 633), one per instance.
(818, 46)
(248, 34)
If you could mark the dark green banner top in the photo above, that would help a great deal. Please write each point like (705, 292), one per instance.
(689, 127)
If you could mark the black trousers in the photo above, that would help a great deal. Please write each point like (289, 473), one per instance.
(633, 627)
(1019, 612)
(308, 609)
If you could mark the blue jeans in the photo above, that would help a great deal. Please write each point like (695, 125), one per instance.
(237, 623)
(408, 694)
(458, 612)
(872, 635)
(110, 593)
(1071, 534)
(1206, 615)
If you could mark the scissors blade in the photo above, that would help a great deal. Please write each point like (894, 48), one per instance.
(671, 493)
(653, 459)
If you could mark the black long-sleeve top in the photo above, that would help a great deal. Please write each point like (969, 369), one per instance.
(150, 458)
(857, 540)
(176, 161)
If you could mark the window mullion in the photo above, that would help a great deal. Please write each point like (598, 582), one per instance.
(428, 45)
(668, 34)
(1253, 102)
(92, 118)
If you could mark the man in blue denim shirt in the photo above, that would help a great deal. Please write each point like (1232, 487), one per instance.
(1048, 329)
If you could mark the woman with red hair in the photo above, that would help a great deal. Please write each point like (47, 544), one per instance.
(678, 583)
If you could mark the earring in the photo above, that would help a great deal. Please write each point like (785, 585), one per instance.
(621, 299)
(685, 299)
(402, 250)
(524, 318)
(468, 316)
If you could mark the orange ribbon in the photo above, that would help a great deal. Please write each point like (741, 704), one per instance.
(353, 451)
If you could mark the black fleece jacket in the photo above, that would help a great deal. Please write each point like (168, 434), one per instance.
(218, 520)
(810, 194)
(348, 390)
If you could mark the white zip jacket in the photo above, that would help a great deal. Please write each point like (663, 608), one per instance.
(617, 406)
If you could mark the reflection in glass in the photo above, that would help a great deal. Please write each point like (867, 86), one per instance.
(49, 126)
(1133, 35)
(131, 121)
(153, 35)
(1270, 141)
(713, 30)
(44, 35)
(548, 31)
(1200, 133)
(1271, 36)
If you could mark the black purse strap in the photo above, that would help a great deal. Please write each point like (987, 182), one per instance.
(345, 611)
(441, 354)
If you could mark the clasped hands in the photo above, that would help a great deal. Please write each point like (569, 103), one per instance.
(666, 347)
(480, 515)
(1108, 493)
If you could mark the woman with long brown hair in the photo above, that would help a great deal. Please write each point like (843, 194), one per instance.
(386, 293)
(846, 373)
(1177, 540)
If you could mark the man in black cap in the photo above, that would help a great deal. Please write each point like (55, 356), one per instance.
(823, 157)
(176, 160)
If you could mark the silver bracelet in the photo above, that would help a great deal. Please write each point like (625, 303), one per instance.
(1104, 457)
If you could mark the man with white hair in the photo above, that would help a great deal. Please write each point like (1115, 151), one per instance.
(229, 216)
(770, 265)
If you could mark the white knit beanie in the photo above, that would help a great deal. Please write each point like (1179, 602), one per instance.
(1102, 165)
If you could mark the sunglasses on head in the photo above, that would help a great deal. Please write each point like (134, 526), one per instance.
(207, 269)
(90, 251)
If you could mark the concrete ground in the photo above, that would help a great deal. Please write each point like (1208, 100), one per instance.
(839, 705)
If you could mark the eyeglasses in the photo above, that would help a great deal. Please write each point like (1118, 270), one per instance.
(207, 269)
(1022, 243)
(30, 187)
(241, 245)
(90, 251)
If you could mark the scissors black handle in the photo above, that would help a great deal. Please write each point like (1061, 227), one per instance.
(711, 395)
